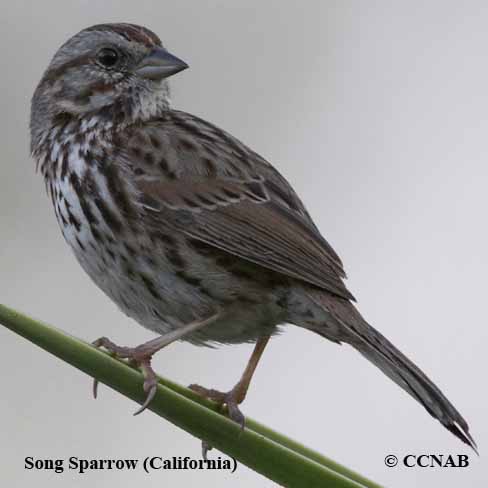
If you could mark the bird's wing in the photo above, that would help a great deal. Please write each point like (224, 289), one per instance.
(250, 211)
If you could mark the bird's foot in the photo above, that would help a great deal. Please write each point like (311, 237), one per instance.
(139, 356)
(230, 399)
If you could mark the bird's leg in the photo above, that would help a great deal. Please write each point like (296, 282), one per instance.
(236, 396)
(141, 355)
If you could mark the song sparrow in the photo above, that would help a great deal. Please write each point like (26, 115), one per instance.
(186, 229)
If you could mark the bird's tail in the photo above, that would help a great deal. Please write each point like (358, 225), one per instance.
(381, 352)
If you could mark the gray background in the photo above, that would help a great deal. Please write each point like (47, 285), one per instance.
(376, 113)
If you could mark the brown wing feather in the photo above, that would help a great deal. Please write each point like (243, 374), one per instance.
(260, 231)
(241, 205)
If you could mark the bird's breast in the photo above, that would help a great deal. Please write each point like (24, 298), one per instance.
(158, 276)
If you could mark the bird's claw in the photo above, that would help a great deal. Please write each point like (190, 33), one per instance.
(135, 358)
(150, 385)
(205, 448)
(235, 413)
(230, 399)
(147, 401)
(95, 388)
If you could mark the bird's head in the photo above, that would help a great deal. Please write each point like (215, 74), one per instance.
(111, 72)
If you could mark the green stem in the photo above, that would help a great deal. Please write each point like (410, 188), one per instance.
(277, 437)
(275, 456)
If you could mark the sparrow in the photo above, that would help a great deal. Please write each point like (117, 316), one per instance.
(186, 229)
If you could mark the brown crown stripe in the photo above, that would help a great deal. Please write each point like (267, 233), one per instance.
(130, 32)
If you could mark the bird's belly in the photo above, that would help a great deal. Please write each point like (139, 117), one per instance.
(163, 301)
(164, 285)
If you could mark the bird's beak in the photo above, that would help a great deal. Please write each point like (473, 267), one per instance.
(159, 64)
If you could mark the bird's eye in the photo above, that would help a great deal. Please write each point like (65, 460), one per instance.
(108, 57)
